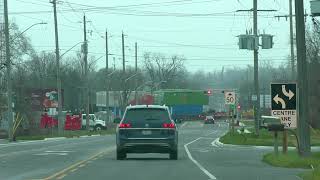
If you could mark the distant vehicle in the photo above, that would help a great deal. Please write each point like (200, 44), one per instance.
(209, 120)
(147, 129)
(96, 124)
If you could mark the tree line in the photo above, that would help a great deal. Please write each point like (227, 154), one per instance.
(37, 70)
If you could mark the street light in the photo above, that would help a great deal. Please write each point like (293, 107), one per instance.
(125, 81)
(70, 49)
(111, 73)
(28, 29)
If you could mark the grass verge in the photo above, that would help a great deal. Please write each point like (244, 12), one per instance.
(313, 175)
(293, 160)
(265, 138)
(67, 134)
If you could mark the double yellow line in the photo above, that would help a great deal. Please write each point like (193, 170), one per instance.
(64, 172)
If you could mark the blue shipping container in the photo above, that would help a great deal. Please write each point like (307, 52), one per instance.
(186, 110)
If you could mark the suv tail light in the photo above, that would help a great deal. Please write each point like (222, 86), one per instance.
(169, 125)
(124, 125)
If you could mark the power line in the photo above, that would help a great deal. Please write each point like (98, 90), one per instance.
(39, 4)
(168, 3)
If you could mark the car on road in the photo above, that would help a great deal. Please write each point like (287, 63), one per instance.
(209, 120)
(94, 122)
(147, 129)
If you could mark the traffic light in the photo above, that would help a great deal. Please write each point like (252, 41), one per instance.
(208, 92)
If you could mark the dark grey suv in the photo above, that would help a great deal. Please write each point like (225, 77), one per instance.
(147, 129)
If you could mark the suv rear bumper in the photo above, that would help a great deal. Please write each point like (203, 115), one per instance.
(150, 145)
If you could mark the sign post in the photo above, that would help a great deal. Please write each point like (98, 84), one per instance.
(284, 106)
(276, 143)
(230, 99)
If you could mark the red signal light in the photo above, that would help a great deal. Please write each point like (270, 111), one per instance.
(208, 92)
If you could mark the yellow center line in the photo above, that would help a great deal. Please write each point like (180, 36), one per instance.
(82, 165)
(58, 174)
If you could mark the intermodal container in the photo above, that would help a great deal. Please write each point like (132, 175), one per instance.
(186, 110)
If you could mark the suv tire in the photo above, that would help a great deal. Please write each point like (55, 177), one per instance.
(121, 155)
(174, 155)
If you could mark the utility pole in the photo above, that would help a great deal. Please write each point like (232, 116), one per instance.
(8, 65)
(285, 132)
(293, 70)
(123, 73)
(107, 78)
(85, 57)
(291, 41)
(60, 120)
(136, 70)
(264, 97)
(303, 110)
(256, 69)
(292, 57)
(123, 55)
(114, 63)
(248, 90)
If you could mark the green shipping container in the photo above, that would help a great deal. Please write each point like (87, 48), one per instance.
(181, 97)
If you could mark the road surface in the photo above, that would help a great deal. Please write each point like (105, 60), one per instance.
(200, 158)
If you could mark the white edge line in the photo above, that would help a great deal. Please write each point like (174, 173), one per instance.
(26, 142)
(183, 124)
(196, 162)
(217, 143)
(56, 138)
(84, 136)
(95, 135)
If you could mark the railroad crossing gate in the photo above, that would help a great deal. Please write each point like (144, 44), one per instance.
(284, 103)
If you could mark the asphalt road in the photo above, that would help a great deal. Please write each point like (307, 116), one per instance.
(200, 158)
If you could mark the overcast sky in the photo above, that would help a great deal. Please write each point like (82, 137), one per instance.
(203, 31)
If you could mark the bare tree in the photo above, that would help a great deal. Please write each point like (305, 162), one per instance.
(161, 68)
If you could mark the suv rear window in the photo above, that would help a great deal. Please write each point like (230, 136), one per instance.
(143, 115)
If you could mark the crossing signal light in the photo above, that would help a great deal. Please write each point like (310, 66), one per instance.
(208, 92)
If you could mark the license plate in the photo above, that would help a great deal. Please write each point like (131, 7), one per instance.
(146, 132)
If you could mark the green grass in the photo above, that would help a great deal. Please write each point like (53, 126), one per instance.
(313, 175)
(67, 134)
(293, 160)
(265, 138)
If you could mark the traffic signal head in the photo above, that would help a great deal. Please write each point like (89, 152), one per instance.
(208, 92)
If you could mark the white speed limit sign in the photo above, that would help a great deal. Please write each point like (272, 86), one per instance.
(230, 97)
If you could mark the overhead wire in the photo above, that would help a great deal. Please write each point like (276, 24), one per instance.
(28, 2)
(167, 3)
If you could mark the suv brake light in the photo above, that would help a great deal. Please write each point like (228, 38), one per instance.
(169, 125)
(124, 125)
